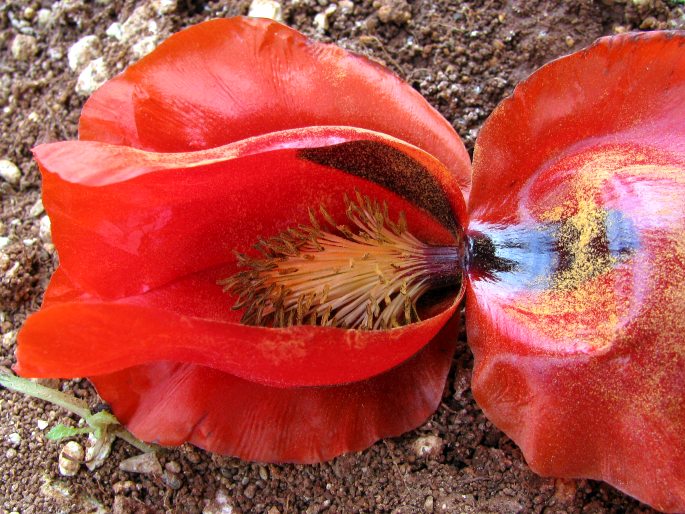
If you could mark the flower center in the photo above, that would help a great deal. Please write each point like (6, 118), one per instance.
(370, 276)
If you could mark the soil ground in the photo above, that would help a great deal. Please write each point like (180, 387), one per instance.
(464, 57)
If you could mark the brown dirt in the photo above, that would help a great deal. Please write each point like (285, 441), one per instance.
(464, 57)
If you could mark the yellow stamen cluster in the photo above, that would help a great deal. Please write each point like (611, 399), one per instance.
(367, 276)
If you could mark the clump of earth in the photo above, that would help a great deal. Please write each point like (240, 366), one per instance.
(464, 57)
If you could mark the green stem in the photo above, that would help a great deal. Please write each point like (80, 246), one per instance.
(133, 441)
(22, 385)
(74, 405)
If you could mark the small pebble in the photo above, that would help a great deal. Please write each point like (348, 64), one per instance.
(82, 52)
(97, 450)
(165, 6)
(70, 459)
(649, 23)
(270, 9)
(384, 13)
(263, 473)
(123, 486)
(9, 338)
(570, 41)
(37, 209)
(145, 463)
(139, 24)
(144, 46)
(115, 31)
(45, 230)
(11, 453)
(173, 466)
(92, 77)
(14, 439)
(321, 19)
(346, 6)
(44, 16)
(41, 424)
(565, 490)
(193, 457)
(428, 446)
(429, 504)
(9, 172)
(250, 491)
(4, 241)
(220, 505)
(172, 480)
(24, 47)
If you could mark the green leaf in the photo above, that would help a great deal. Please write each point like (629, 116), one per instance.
(102, 419)
(61, 431)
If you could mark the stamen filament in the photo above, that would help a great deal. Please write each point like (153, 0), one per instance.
(369, 279)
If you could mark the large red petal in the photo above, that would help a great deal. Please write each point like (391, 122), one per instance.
(143, 239)
(624, 88)
(576, 299)
(125, 221)
(229, 79)
(171, 403)
(190, 321)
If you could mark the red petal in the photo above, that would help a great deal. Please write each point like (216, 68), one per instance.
(578, 343)
(172, 403)
(613, 91)
(229, 79)
(158, 229)
(126, 221)
(189, 322)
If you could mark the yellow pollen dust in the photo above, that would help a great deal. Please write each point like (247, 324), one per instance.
(368, 275)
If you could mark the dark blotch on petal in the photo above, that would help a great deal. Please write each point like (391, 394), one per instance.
(389, 168)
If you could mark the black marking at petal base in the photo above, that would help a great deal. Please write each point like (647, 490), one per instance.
(482, 257)
(389, 168)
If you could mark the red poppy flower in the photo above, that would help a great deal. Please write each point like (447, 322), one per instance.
(232, 130)
(577, 327)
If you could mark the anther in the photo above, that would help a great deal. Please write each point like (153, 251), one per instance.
(366, 275)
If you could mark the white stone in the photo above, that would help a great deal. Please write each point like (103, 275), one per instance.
(428, 446)
(45, 229)
(24, 47)
(56, 54)
(4, 241)
(346, 5)
(144, 46)
(139, 24)
(115, 31)
(10, 273)
(145, 463)
(37, 209)
(41, 424)
(321, 22)
(9, 172)
(29, 13)
(9, 339)
(220, 505)
(270, 9)
(165, 6)
(97, 450)
(82, 52)
(14, 439)
(43, 17)
(92, 77)
(321, 19)
(70, 459)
